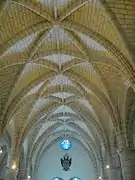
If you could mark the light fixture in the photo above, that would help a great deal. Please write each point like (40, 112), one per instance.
(100, 177)
(1, 151)
(29, 177)
(107, 166)
(13, 166)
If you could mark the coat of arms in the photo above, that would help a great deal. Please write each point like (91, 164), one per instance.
(66, 162)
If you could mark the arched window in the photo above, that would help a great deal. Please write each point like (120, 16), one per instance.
(66, 144)
(75, 178)
(57, 178)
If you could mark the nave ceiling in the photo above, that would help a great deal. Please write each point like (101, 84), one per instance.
(66, 68)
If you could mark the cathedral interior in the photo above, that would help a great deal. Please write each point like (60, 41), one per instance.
(67, 89)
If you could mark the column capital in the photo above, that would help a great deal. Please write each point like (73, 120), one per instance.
(11, 174)
(121, 150)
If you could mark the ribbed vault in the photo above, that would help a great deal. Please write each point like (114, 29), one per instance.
(65, 69)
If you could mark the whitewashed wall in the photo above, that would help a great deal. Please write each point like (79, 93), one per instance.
(50, 165)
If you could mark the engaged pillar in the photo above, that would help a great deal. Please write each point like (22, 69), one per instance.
(127, 160)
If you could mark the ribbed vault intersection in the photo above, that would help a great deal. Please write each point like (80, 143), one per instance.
(65, 70)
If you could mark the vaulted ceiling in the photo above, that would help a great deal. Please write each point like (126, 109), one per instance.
(65, 69)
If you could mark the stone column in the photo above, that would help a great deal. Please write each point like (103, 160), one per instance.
(127, 160)
(115, 173)
(115, 167)
(105, 175)
(10, 173)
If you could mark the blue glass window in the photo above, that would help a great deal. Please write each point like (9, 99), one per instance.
(75, 178)
(57, 178)
(66, 144)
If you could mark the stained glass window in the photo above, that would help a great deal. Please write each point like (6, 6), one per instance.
(57, 178)
(66, 144)
(75, 178)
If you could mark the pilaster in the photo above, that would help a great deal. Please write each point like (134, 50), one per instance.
(127, 159)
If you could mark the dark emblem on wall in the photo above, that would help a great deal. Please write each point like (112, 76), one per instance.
(66, 162)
